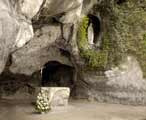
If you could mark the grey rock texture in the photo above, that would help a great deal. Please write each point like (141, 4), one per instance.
(123, 84)
(60, 6)
(38, 51)
(35, 32)
(28, 8)
(8, 33)
(15, 29)
(128, 70)
(67, 12)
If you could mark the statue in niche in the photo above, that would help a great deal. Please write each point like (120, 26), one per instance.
(94, 32)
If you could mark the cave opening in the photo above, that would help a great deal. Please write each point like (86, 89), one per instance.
(95, 25)
(55, 74)
(120, 1)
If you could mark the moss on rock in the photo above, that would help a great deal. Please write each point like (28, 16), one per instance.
(125, 34)
(129, 30)
(94, 59)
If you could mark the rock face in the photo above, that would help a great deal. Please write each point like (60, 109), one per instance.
(71, 10)
(16, 30)
(38, 51)
(9, 28)
(29, 8)
(123, 84)
(112, 69)
(129, 70)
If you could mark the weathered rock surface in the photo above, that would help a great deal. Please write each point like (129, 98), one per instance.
(29, 8)
(24, 35)
(54, 36)
(52, 7)
(123, 84)
(38, 51)
(8, 31)
(127, 75)
(15, 30)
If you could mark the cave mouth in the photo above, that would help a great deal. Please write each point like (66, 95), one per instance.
(55, 74)
(120, 1)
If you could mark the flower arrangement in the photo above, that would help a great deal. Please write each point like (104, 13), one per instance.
(42, 104)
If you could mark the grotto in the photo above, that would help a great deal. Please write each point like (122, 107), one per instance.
(56, 74)
(72, 59)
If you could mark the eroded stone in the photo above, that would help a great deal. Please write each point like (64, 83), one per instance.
(29, 8)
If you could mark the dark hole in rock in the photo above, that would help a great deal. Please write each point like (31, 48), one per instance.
(55, 74)
(96, 24)
(120, 1)
(11, 83)
(64, 53)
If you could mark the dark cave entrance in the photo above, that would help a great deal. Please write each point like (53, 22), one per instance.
(55, 74)
(120, 1)
(96, 25)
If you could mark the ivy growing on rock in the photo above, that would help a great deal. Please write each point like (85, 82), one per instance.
(124, 35)
(128, 30)
(95, 59)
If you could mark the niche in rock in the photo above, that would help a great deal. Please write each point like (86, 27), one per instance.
(94, 30)
(120, 1)
(55, 74)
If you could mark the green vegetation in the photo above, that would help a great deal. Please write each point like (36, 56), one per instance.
(129, 31)
(141, 53)
(144, 39)
(83, 40)
(94, 59)
(124, 35)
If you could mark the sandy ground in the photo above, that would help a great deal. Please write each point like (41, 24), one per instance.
(77, 110)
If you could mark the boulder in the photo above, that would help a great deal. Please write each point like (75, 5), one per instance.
(123, 84)
(24, 35)
(8, 31)
(15, 30)
(51, 6)
(67, 12)
(33, 56)
(29, 8)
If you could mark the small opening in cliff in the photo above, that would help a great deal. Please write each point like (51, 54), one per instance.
(65, 53)
(55, 74)
(94, 29)
(120, 1)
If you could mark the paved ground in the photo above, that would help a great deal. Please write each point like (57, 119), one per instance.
(78, 110)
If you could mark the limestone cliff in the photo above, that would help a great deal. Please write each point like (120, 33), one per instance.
(101, 42)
